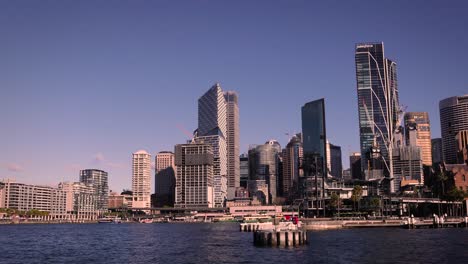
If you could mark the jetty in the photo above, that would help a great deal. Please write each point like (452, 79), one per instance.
(407, 223)
(276, 234)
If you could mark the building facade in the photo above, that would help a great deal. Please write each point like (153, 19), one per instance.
(98, 179)
(355, 165)
(82, 201)
(232, 142)
(141, 179)
(436, 145)
(419, 121)
(408, 166)
(453, 119)
(378, 106)
(194, 176)
(263, 166)
(26, 197)
(212, 129)
(164, 182)
(244, 170)
(292, 166)
(119, 201)
(462, 147)
(314, 138)
(334, 164)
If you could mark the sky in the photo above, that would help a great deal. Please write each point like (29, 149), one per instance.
(86, 83)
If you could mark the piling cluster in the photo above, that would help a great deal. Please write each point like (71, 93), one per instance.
(280, 238)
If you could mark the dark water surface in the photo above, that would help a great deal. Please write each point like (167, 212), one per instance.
(222, 243)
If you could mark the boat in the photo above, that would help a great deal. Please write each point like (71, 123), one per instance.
(110, 220)
(146, 221)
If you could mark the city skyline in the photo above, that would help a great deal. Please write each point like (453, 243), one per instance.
(61, 117)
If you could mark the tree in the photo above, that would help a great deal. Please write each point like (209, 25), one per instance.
(455, 194)
(374, 203)
(335, 202)
(442, 178)
(356, 195)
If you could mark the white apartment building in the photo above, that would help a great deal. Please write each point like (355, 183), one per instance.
(141, 179)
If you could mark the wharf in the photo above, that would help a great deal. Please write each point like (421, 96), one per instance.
(408, 223)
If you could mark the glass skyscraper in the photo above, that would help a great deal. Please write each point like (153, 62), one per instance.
(378, 105)
(212, 130)
(314, 136)
(314, 140)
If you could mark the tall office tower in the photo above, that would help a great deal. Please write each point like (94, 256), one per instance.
(164, 182)
(212, 130)
(355, 165)
(232, 142)
(437, 155)
(420, 122)
(263, 169)
(141, 179)
(378, 106)
(194, 183)
(334, 164)
(314, 140)
(292, 166)
(453, 119)
(462, 147)
(99, 180)
(244, 170)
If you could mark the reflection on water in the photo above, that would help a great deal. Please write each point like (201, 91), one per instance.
(221, 243)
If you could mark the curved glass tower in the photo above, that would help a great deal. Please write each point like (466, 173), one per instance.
(378, 106)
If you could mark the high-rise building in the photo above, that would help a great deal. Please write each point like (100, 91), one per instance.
(292, 166)
(407, 166)
(419, 121)
(212, 112)
(355, 165)
(263, 166)
(244, 170)
(314, 138)
(437, 155)
(212, 130)
(453, 119)
(195, 182)
(141, 179)
(164, 182)
(98, 179)
(407, 157)
(378, 106)
(232, 142)
(82, 201)
(334, 164)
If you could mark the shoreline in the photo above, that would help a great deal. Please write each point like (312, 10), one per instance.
(308, 224)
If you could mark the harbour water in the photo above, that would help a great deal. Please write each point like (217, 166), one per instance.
(222, 243)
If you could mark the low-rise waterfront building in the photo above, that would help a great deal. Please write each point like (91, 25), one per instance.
(269, 210)
(26, 197)
(118, 201)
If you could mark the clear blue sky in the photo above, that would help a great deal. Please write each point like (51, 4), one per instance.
(86, 83)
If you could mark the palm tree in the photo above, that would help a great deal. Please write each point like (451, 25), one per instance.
(356, 196)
